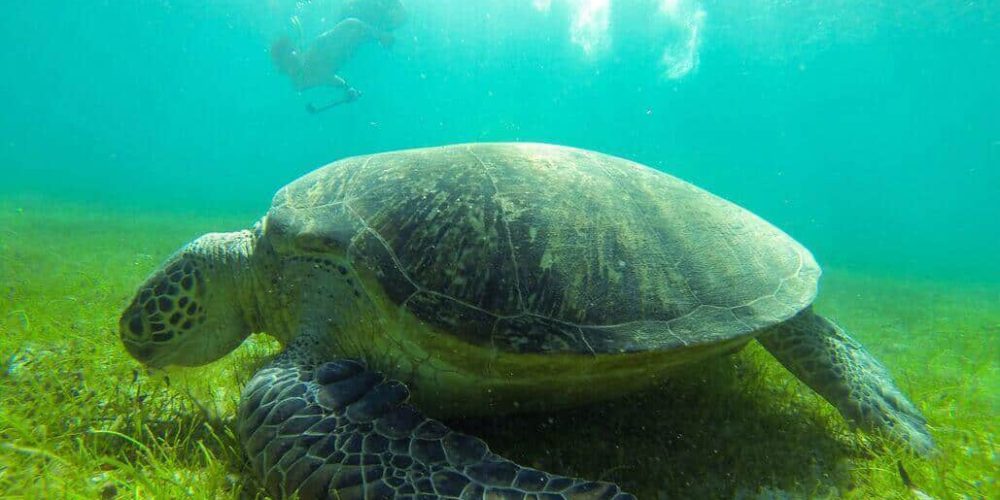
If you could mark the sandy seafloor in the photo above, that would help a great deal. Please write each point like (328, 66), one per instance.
(80, 420)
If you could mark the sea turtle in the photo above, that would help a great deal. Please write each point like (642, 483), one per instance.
(482, 279)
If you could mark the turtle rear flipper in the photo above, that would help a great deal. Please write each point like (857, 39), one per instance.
(828, 360)
(340, 430)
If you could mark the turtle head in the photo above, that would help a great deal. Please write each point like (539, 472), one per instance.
(192, 310)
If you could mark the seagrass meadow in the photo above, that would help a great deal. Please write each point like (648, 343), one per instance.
(866, 130)
(81, 419)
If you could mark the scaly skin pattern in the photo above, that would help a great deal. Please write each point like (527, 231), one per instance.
(339, 430)
(837, 367)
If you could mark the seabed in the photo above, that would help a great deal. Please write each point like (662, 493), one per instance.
(79, 418)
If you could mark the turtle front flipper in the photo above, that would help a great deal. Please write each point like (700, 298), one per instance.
(821, 354)
(339, 430)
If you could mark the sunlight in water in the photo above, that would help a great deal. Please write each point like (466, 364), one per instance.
(680, 20)
(680, 56)
(589, 28)
(542, 5)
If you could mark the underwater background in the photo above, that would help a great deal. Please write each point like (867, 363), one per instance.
(867, 130)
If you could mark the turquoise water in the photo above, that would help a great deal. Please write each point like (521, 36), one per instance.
(867, 130)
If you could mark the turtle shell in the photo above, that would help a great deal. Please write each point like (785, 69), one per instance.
(536, 248)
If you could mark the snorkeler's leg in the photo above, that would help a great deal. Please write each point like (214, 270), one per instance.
(350, 94)
(820, 353)
(337, 82)
(286, 58)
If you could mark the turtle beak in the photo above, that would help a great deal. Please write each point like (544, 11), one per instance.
(134, 335)
(143, 353)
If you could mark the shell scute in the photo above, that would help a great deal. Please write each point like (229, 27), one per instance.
(539, 248)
